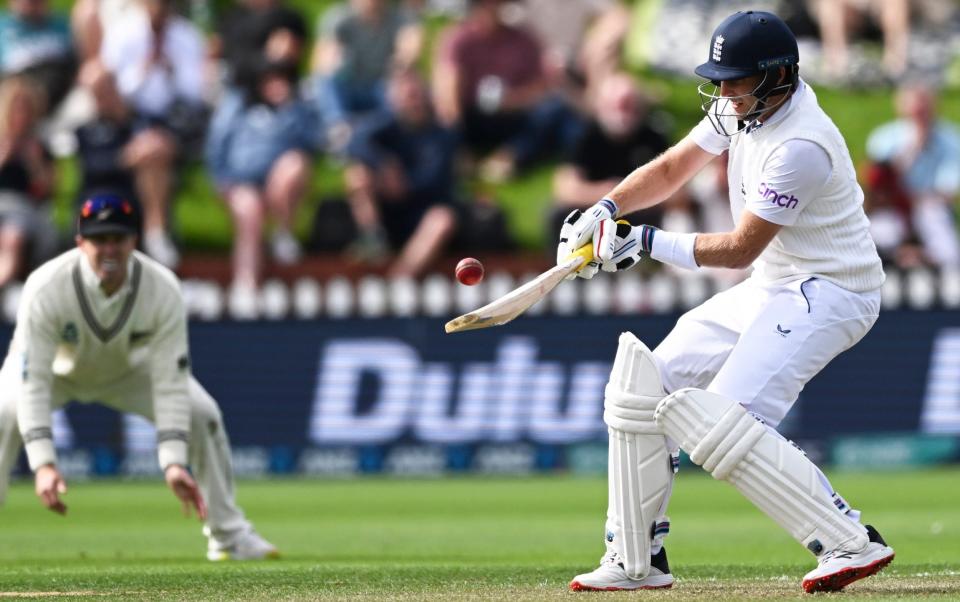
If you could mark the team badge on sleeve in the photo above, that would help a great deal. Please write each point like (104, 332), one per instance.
(70, 334)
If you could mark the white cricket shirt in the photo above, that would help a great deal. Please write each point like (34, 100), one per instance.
(795, 170)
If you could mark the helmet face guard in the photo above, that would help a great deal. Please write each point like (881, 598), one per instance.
(719, 109)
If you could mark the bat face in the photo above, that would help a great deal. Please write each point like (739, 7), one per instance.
(517, 301)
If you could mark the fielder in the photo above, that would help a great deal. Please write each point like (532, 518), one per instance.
(106, 323)
(727, 374)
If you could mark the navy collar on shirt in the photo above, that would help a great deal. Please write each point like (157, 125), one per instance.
(101, 332)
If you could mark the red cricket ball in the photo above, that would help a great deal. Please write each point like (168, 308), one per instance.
(469, 271)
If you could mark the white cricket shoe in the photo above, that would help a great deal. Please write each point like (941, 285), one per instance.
(610, 576)
(246, 546)
(839, 568)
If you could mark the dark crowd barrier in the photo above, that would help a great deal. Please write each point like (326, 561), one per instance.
(399, 395)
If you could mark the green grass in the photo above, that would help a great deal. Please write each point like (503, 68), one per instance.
(460, 539)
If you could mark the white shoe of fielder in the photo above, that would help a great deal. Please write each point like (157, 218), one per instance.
(610, 576)
(839, 568)
(246, 546)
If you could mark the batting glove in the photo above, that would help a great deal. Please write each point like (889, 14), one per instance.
(579, 226)
(629, 245)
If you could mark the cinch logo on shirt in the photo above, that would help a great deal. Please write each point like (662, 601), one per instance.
(780, 200)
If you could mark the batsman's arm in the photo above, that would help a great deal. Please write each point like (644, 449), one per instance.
(646, 186)
(736, 249)
(739, 248)
(655, 181)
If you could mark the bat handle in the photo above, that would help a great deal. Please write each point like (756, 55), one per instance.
(586, 251)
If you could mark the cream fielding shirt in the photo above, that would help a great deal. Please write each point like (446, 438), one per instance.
(69, 332)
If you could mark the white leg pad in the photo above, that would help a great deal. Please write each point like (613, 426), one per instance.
(639, 471)
(773, 474)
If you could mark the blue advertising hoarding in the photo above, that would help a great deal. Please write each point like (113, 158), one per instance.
(336, 396)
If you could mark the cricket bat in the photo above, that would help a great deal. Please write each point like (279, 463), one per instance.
(506, 308)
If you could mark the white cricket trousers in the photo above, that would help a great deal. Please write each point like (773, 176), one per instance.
(209, 447)
(760, 343)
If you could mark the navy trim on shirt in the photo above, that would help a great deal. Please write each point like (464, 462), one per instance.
(105, 334)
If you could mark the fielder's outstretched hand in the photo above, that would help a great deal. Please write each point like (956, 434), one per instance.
(579, 228)
(183, 486)
(49, 486)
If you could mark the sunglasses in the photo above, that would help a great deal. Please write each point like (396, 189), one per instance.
(95, 205)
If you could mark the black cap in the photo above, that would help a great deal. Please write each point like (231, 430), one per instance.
(107, 213)
(748, 43)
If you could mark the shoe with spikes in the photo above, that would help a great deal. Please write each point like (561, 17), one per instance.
(839, 568)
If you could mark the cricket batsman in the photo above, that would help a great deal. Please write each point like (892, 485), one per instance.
(104, 322)
(727, 374)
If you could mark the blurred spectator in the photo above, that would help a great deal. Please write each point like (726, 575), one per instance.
(101, 141)
(490, 81)
(619, 137)
(157, 59)
(888, 207)
(358, 43)
(921, 157)
(839, 20)
(258, 28)
(36, 42)
(258, 152)
(583, 42)
(401, 183)
(26, 180)
(90, 18)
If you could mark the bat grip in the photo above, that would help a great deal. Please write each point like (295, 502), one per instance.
(586, 251)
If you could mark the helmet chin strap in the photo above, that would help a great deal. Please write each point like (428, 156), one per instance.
(758, 109)
(761, 93)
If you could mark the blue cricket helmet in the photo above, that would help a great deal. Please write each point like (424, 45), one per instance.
(749, 43)
(746, 44)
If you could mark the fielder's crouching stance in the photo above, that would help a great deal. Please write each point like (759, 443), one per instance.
(730, 370)
(106, 323)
